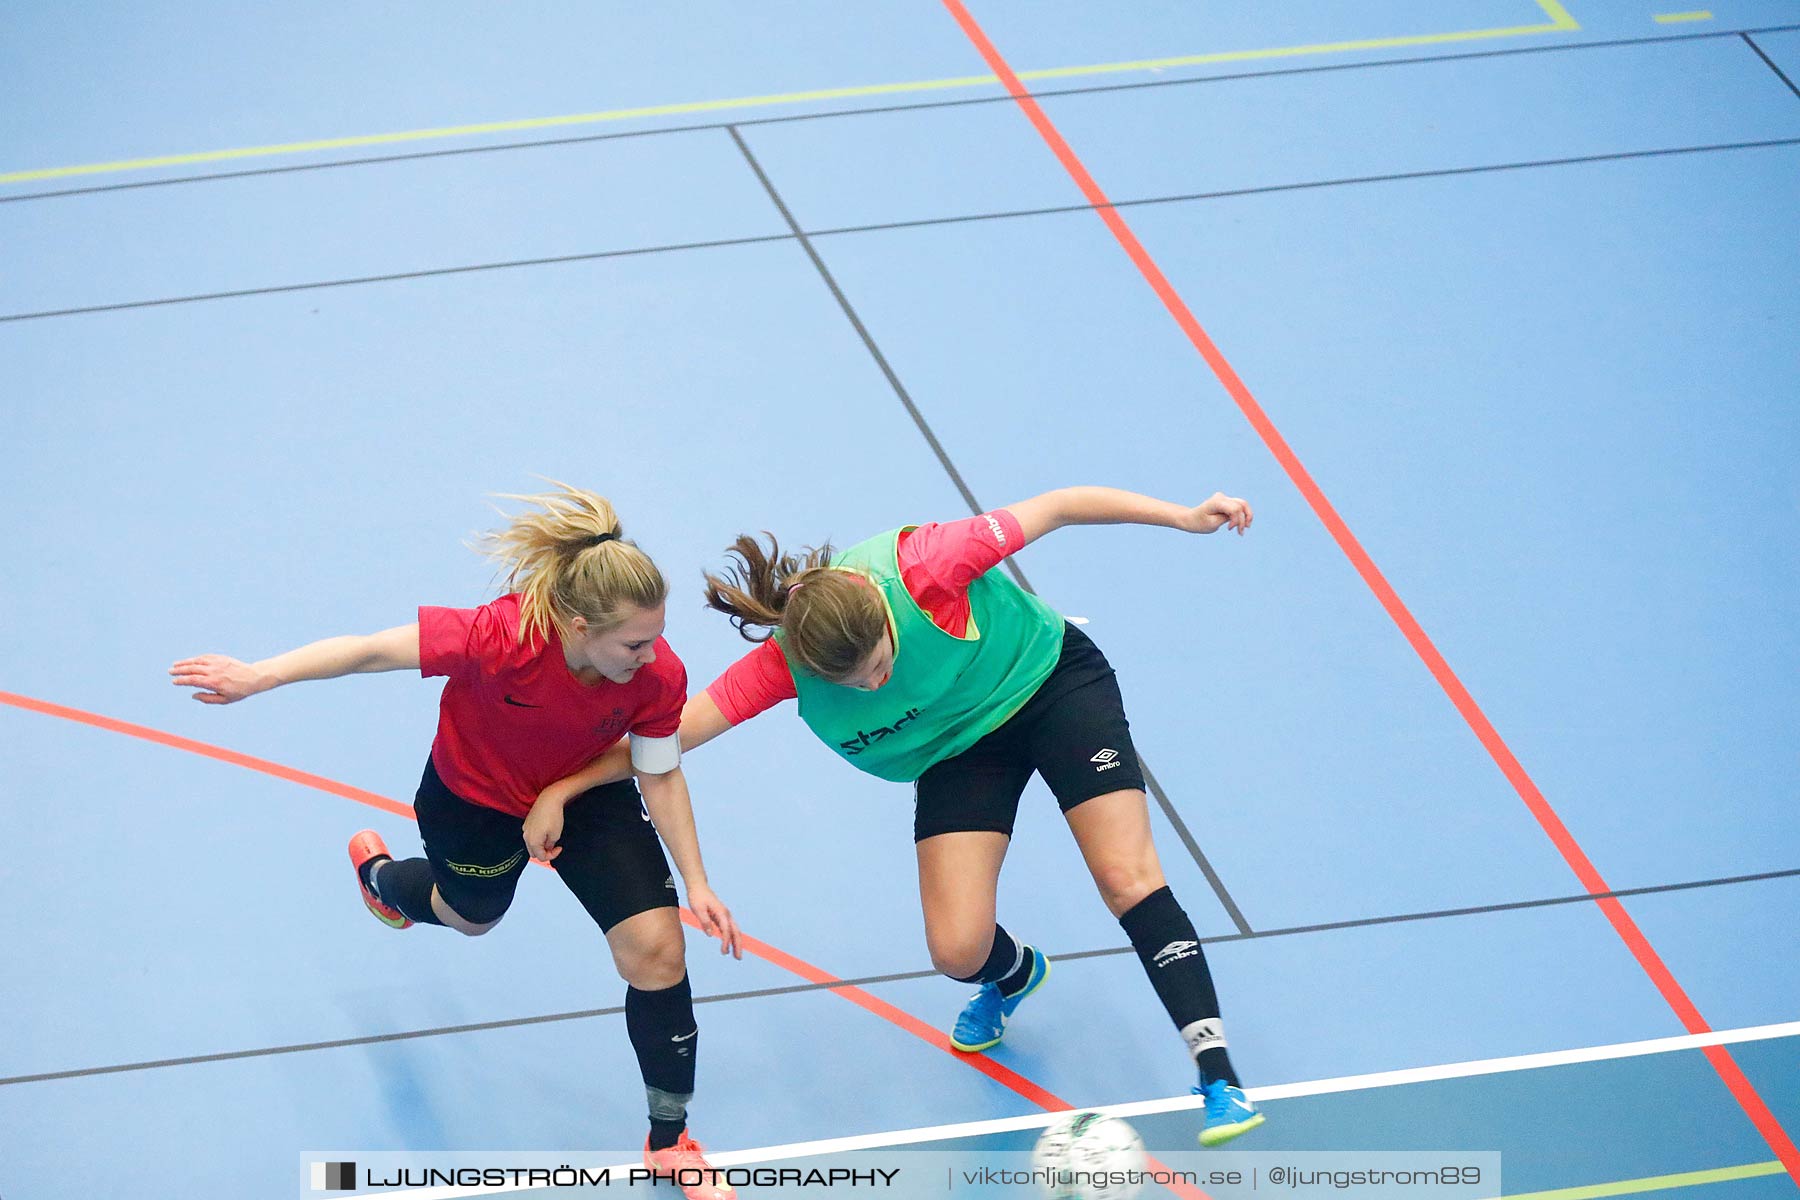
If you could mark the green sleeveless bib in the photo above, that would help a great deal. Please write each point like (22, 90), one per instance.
(946, 692)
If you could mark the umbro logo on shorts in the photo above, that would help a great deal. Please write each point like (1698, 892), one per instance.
(1107, 758)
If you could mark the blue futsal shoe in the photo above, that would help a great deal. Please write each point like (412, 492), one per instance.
(1229, 1113)
(982, 1022)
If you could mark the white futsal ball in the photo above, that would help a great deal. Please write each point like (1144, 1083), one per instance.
(1088, 1156)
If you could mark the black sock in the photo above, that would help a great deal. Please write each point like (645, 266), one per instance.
(662, 1030)
(1169, 948)
(406, 885)
(1008, 964)
(664, 1134)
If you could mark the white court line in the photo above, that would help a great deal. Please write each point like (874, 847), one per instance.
(1279, 1091)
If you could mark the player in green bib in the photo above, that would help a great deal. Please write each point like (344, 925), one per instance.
(947, 691)
(914, 660)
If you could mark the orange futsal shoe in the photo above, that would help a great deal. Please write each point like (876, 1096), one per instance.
(686, 1163)
(363, 847)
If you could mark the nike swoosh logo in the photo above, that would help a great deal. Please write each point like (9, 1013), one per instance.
(684, 1037)
(521, 703)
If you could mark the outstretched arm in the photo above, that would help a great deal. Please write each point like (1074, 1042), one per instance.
(222, 679)
(1111, 506)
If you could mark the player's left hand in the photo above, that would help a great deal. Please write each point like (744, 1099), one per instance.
(715, 919)
(1218, 511)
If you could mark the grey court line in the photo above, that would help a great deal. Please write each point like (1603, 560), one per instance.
(429, 273)
(1093, 89)
(1780, 74)
(1193, 848)
(922, 223)
(943, 457)
(862, 331)
(381, 1038)
(1477, 910)
(1312, 185)
(869, 980)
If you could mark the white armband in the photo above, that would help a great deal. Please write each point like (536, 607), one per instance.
(655, 756)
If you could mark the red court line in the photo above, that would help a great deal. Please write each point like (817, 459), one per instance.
(174, 742)
(1503, 757)
(998, 1072)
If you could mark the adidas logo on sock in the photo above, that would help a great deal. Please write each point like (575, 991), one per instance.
(1204, 1034)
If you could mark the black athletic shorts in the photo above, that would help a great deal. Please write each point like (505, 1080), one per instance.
(611, 857)
(1072, 731)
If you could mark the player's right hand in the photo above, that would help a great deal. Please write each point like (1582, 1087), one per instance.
(219, 678)
(544, 826)
(1219, 511)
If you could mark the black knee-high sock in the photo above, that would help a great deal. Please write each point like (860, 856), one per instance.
(663, 1032)
(405, 884)
(1169, 948)
(1008, 964)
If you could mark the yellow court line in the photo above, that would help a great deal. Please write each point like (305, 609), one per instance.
(1655, 1183)
(1560, 21)
(1672, 18)
(1559, 16)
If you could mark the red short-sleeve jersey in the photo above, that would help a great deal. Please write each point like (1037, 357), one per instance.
(514, 719)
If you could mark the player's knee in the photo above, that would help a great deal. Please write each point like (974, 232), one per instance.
(1123, 884)
(960, 957)
(470, 928)
(471, 918)
(651, 968)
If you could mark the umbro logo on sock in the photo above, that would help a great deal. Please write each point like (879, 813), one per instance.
(1174, 952)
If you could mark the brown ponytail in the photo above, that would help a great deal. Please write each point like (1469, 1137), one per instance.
(833, 619)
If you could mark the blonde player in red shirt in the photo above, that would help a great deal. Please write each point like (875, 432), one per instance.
(540, 683)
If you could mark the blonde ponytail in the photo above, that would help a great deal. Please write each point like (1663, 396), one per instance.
(571, 560)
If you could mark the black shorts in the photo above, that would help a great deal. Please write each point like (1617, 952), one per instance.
(611, 857)
(1072, 731)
